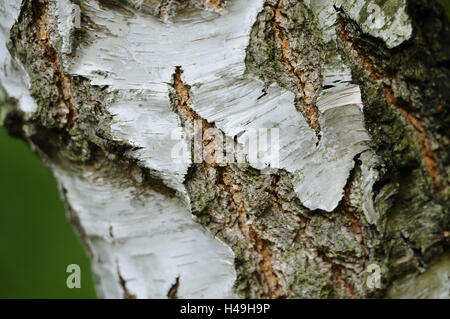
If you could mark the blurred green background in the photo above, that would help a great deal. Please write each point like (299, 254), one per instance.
(446, 4)
(36, 241)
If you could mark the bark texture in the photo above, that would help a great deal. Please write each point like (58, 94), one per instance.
(109, 93)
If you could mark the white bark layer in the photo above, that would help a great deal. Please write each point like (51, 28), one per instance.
(144, 242)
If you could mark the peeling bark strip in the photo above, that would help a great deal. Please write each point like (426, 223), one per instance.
(105, 111)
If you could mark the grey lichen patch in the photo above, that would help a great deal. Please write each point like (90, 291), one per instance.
(334, 237)
(311, 279)
(304, 35)
(94, 120)
(257, 192)
(263, 59)
(286, 47)
(202, 192)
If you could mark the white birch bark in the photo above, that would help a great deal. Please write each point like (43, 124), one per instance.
(105, 91)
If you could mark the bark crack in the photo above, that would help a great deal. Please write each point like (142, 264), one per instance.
(63, 83)
(338, 272)
(234, 190)
(127, 294)
(290, 60)
(225, 180)
(173, 291)
(347, 210)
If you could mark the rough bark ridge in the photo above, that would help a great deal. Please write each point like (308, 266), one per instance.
(105, 91)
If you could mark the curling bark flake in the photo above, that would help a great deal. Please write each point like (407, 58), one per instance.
(104, 91)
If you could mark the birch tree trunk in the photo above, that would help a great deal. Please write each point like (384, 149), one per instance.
(111, 94)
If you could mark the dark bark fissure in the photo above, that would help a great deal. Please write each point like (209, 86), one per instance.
(408, 117)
